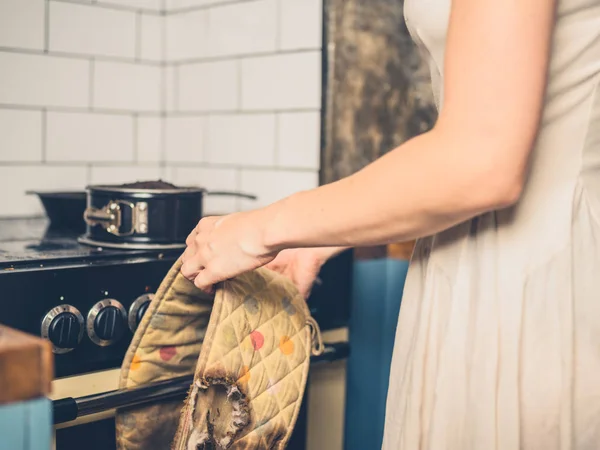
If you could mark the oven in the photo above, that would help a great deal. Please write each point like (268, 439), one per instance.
(54, 287)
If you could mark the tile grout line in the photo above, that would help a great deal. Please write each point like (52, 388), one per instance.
(238, 188)
(176, 88)
(163, 91)
(205, 139)
(276, 141)
(188, 9)
(135, 145)
(240, 84)
(91, 85)
(278, 23)
(46, 26)
(88, 174)
(238, 56)
(145, 62)
(162, 123)
(113, 7)
(164, 68)
(163, 139)
(248, 112)
(150, 164)
(206, 17)
(44, 134)
(128, 112)
(68, 163)
(138, 37)
(78, 56)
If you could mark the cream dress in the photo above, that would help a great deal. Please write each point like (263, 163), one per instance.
(498, 341)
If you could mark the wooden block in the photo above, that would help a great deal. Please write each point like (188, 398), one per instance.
(375, 252)
(400, 250)
(26, 366)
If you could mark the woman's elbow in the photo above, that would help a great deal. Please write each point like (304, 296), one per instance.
(499, 189)
(494, 165)
(508, 195)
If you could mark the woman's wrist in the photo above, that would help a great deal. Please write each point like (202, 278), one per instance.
(274, 228)
(274, 234)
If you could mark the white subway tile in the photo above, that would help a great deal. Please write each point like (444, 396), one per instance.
(127, 86)
(299, 140)
(285, 81)
(153, 5)
(187, 35)
(245, 140)
(16, 180)
(301, 22)
(149, 139)
(242, 28)
(124, 174)
(43, 80)
(272, 185)
(90, 30)
(210, 86)
(185, 139)
(151, 37)
(22, 23)
(20, 135)
(213, 179)
(89, 137)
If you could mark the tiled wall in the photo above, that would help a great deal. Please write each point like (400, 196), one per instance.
(219, 93)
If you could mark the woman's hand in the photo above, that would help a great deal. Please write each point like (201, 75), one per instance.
(301, 265)
(220, 248)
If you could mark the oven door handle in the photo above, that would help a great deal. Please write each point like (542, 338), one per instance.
(67, 409)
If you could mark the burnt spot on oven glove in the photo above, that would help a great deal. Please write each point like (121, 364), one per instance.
(221, 413)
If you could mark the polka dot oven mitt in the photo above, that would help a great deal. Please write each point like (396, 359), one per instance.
(249, 347)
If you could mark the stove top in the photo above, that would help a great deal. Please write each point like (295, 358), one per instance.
(33, 244)
(54, 287)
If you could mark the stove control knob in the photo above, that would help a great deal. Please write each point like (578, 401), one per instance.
(63, 326)
(138, 309)
(106, 322)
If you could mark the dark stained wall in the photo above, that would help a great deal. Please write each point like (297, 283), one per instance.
(377, 91)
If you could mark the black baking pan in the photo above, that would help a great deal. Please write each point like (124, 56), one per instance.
(64, 209)
(143, 215)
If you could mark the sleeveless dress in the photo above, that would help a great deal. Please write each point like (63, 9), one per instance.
(498, 340)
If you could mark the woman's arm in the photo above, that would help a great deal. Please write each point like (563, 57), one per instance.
(474, 160)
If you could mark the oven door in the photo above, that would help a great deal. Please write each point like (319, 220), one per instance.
(84, 406)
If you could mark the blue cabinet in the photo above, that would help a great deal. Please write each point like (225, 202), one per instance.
(377, 291)
(26, 425)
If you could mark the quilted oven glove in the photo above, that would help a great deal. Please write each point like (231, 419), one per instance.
(249, 348)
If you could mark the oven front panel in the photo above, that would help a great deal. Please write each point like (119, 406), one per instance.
(31, 301)
(27, 298)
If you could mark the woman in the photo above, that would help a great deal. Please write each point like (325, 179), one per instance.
(498, 341)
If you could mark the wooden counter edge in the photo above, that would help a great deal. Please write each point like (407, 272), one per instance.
(26, 366)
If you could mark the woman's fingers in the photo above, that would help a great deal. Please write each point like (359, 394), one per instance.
(192, 265)
(205, 280)
(191, 239)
